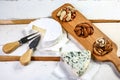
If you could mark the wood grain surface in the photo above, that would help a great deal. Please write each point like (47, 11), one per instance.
(33, 58)
(27, 21)
(88, 41)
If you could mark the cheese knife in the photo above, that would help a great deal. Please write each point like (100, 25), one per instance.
(26, 57)
(9, 47)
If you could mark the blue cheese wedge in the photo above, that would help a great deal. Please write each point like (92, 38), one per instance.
(78, 61)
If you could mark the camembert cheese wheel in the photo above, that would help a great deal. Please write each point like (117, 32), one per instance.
(50, 30)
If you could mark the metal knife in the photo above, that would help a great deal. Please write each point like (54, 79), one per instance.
(26, 57)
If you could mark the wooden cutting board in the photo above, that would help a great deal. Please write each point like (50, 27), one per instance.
(88, 41)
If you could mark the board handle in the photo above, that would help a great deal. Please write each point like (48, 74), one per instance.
(116, 61)
(26, 57)
(9, 47)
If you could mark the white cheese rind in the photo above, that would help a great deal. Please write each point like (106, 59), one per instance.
(51, 31)
(78, 61)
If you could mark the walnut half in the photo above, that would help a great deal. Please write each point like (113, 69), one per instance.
(102, 46)
(84, 30)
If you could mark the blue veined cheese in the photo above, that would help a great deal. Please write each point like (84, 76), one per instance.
(77, 60)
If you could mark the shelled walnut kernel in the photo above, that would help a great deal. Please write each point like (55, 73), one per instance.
(102, 46)
(84, 30)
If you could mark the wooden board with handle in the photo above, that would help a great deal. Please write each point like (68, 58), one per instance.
(88, 41)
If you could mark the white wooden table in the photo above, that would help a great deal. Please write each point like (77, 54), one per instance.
(96, 9)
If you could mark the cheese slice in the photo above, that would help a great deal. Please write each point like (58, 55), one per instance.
(41, 30)
(77, 61)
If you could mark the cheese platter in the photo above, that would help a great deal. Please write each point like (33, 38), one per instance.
(41, 55)
(38, 59)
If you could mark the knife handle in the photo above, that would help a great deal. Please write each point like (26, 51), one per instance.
(9, 47)
(26, 57)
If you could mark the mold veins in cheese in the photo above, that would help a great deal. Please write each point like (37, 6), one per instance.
(77, 61)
